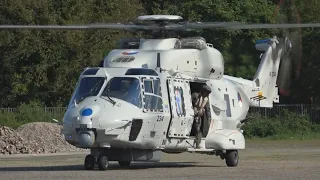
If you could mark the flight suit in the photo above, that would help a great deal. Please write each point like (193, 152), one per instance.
(199, 105)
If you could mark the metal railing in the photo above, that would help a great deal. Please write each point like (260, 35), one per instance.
(52, 112)
(277, 111)
(308, 110)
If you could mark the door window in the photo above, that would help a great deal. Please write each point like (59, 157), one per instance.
(180, 106)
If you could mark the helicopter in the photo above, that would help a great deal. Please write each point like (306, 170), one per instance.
(137, 105)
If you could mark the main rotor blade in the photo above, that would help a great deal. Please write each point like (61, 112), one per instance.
(208, 25)
(186, 26)
(75, 27)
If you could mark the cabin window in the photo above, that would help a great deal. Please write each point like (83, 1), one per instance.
(156, 87)
(148, 86)
(152, 95)
(227, 99)
(152, 102)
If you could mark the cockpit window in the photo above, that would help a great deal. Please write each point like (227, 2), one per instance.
(87, 86)
(124, 88)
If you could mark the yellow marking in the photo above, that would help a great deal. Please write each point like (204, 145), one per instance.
(260, 93)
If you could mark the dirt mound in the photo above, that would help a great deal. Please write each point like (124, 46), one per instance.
(12, 143)
(34, 138)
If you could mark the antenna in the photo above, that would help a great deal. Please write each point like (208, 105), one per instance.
(158, 63)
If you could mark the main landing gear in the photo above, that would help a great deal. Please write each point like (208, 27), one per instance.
(90, 161)
(231, 158)
(102, 161)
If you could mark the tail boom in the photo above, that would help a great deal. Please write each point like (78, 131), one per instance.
(265, 78)
(262, 91)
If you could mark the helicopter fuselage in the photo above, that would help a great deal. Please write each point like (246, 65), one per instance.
(139, 103)
(154, 114)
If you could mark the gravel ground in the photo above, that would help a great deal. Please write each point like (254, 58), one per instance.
(260, 160)
(33, 138)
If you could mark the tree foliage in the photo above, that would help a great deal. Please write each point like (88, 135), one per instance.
(44, 65)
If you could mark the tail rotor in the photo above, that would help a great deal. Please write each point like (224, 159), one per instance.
(291, 58)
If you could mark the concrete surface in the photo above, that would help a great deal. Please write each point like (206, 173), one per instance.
(260, 160)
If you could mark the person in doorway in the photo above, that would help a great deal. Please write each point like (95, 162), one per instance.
(199, 103)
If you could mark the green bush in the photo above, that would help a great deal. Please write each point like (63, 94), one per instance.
(25, 113)
(9, 119)
(290, 125)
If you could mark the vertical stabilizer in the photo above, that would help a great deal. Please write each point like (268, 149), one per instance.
(265, 78)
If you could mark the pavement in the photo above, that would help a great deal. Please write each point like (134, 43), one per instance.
(260, 160)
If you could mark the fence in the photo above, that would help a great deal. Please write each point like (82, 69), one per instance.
(52, 112)
(277, 111)
(308, 110)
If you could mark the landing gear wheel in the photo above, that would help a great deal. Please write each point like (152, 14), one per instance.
(103, 163)
(232, 158)
(89, 162)
(124, 164)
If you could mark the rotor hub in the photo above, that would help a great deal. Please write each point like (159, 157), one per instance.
(159, 17)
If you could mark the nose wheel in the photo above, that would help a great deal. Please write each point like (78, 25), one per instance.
(103, 162)
(90, 161)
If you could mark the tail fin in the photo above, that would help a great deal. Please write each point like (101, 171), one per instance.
(265, 78)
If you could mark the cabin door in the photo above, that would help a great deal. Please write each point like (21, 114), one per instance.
(181, 108)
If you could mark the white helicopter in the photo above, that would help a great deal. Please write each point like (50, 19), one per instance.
(137, 105)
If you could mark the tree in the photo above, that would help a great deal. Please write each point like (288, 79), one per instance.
(44, 65)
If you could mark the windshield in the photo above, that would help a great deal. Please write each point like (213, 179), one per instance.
(88, 86)
(124, 88)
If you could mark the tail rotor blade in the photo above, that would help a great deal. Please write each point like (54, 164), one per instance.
(284, 78)
(291, 59)
(296, 53)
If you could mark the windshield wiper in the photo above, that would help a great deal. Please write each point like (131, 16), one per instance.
(84, 96)
(110, 99)
(89, 93)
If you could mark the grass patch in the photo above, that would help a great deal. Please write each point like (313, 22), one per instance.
(289, 126)
(25, 113)
(287, 137)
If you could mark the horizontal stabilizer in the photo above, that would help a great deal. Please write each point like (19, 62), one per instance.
(263, 40)
(263, 44)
